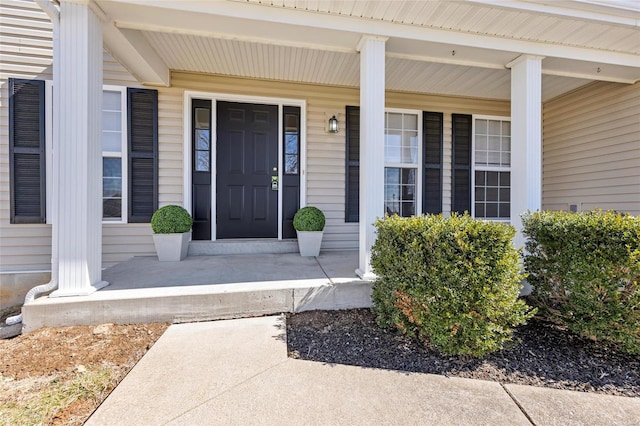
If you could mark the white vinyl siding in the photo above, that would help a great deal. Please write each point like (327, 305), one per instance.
(591, 149)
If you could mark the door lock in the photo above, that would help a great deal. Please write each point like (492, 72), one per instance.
(274, 183)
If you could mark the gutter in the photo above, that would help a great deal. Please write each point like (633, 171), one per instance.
(49, 7)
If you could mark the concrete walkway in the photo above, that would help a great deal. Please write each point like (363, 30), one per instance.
(236, 372)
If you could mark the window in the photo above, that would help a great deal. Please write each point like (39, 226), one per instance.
(113, 155)
(401, 156)
(403, 130)
(129, 158)
(492, 168)
(291, 144)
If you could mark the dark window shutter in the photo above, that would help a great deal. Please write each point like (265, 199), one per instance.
(142, 114)
(352, 198)
(27, 160)
(461, 161)
(432, 135)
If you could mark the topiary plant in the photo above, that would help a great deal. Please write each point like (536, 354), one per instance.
(171, 220)
(309, 219)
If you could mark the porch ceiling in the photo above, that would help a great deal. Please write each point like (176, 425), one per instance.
(440, 47)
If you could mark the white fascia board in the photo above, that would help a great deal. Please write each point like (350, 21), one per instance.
(388, 29)
(136, 54)
(610, 13)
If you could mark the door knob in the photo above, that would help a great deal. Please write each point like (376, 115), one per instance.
(275, 169)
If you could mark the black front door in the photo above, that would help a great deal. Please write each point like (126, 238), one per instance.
(247, 161)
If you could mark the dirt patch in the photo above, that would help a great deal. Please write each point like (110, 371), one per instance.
(60, 375)
(541, 354)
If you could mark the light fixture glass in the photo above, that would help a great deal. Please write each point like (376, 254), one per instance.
(333, 125)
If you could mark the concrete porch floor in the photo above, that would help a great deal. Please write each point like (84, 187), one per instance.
(201, 288)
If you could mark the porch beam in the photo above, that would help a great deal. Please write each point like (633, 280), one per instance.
(78, 154)
(372, 101)
(526, 139)
(136, 54)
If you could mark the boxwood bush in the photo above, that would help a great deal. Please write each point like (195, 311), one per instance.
(451, 282)
(585, 269)
(309, 219)
(171, 219)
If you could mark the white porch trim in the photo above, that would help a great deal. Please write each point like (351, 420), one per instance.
(526, 139)
(372, 107)
(227, 97)
(78, 159)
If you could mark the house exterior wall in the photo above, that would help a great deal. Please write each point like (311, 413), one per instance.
(591, 149)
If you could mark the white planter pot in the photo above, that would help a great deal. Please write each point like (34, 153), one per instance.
(172, 247)
(309, 242)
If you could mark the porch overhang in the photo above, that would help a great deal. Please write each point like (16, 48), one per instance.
(467, 55)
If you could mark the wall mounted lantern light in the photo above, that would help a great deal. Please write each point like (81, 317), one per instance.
(333, 125)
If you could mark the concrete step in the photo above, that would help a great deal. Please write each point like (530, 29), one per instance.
(194, 303)
(242, 246)
(201, 288)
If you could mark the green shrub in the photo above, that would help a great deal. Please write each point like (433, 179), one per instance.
(309, 219)
(171, 220)
(585, 269)
(452, 282)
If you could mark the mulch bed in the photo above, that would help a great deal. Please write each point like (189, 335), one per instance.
(541, 355)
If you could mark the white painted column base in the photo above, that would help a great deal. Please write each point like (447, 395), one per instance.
(84, 291)
(372, 102)
(366, 276)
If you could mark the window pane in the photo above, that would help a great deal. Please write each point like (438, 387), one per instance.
(391, 176)
(291, 143)
(408, 176)
(391, 208)
(203, 139)
(291, 164)
(506, 144)
(493, 158)
(411, 122)
(111, 141)
(491, 210)
(111, 100)
(494, 143)
(291, 123)
(504, 210)
(111, 120)
(479, 193)
(202, 161)
(481, 127)
(505, 179)
(112, 208)
(408, 209)
(394, 120)
(481, 142)
(112, 167)
(202, 118)
(410, 147)
(492, 178)
(505, 194)
(392, 142)
(506, 128)
(495, 127)
(112, 187)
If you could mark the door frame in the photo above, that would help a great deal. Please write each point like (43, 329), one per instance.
(248, 99)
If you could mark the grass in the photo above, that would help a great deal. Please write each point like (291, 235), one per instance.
(47, 397)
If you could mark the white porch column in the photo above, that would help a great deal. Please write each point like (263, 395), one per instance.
(372, 87)
(78, 156)
(526, 139)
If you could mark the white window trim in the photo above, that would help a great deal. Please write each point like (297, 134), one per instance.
(123, 154)
(475, 117)
(48, 137)
(420, 164)
(187, 151)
